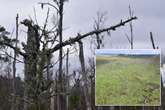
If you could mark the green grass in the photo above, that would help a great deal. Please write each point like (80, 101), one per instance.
(127, 81)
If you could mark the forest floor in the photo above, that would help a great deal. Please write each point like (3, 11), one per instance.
(127, 81)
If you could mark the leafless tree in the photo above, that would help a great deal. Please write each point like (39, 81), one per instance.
(131, 38)
(14, 68)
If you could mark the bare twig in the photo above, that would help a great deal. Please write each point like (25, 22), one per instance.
(12, 47)
(13, 57)
(64, 56)
(35, 15)
(46, 20)
(128, 38)
(49, 4)
(152, 41)
(12, 33)
(44, 32)
(98, 24)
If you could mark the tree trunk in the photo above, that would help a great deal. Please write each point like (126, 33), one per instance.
(48, 81)
(84, 76)
(61, 98)
(31, 60)
(67, 79)
(13, 107)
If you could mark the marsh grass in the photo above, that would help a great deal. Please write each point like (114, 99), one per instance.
(127, 81)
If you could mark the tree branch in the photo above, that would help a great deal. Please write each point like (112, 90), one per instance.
(49, 4)
(152, 40)
(12, 47)
(79, 37)
(5, 53)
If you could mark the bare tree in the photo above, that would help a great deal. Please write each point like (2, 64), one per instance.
(62, 100)
(131, 38)
(84, 76)
(99, 23)
(67, 79)
(14, 68)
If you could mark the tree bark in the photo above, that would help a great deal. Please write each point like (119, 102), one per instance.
(61, 98)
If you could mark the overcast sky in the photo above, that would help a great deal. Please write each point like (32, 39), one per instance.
(79, 16)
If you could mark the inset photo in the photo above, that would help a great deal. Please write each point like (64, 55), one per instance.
(127, 77)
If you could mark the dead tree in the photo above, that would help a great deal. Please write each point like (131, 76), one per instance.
(67, 79)
(131, 28)
(92, 82)
(14, 68)
(31, 49)
(84, 76)
(98, 24)
(131, 37)
(61, 99)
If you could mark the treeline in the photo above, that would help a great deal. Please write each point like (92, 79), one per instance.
(6, 92)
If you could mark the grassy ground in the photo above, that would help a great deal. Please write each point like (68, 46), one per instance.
(127, 81)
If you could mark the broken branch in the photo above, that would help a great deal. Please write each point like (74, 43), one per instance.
(79, 37)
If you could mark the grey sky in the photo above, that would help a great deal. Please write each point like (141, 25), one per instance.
(79, 15)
